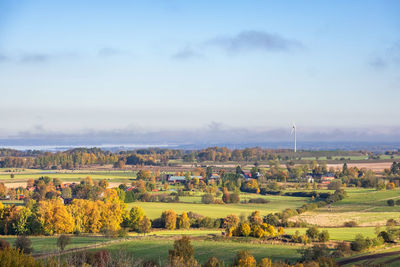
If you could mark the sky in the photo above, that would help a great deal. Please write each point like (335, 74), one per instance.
(200, 68)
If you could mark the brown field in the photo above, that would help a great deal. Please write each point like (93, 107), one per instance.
(377, 167)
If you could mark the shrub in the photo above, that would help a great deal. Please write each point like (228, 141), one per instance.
(350, 224)
(182, 254)
(245, 229)
(234, 198)
(315, 252)
(207, 199)
(213, 262)
(24, 244)
(342, 249)
(323, 236)
(359, 244)
(244, 259)
(386, 237)
(398, 202)
(15, 257)
(4, 244)
(264, 262)
(390, 202)
(312, 232)
(63, 241)
(258, 200)
(272, 219)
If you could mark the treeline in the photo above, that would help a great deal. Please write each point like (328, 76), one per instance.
(80, 157)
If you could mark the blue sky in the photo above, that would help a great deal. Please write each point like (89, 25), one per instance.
(83, 66)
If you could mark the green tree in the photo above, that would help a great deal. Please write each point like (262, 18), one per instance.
(63, 241)
(135, 215)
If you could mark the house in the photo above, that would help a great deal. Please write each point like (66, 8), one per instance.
(327, 178)
(215, 176)
(176, 179)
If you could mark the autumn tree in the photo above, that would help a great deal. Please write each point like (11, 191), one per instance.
(244, 259)
(182, 254)
(144, 225)
(184, 221)
(230, 223)
(55, 217)
(169, 219)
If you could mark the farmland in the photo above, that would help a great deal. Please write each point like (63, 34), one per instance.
(276, 204)
(279, 190)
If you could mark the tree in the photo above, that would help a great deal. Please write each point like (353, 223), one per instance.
(230, 223)
(22, 223)
(234, 198)
(255, 218)
(169, 219)
(143, 175)
(66, 193)
(213, 262)
(135, 215)
(184, 221)
(315, 252)
(55, 217)
(24, 244)
(207, 199)
(244, 259)
(312, 232)
(63, 241)
(182, 254)
(144, 225)
(226, 196)
(265, 262)
(323, 236)
(245, 229)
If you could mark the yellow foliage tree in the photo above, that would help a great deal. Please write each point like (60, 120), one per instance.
(55, 217)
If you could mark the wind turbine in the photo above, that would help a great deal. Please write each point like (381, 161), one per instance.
(294, 134)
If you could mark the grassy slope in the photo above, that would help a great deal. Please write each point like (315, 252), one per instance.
(225, 250)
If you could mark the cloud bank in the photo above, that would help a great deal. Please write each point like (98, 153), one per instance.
(255, 41)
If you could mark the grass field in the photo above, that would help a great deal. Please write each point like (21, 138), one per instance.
(340, 234)
(49, 244)
(151, 248)
(368, 207)
(277, 203)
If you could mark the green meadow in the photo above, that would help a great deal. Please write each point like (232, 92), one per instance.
(277, 203)
(157, 249)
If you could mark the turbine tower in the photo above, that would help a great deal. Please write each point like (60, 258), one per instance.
(294, 135)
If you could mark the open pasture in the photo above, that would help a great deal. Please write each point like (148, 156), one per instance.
(157, 249)
(44, 244)
(367, 207)
(276, 204)
(340, 233)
